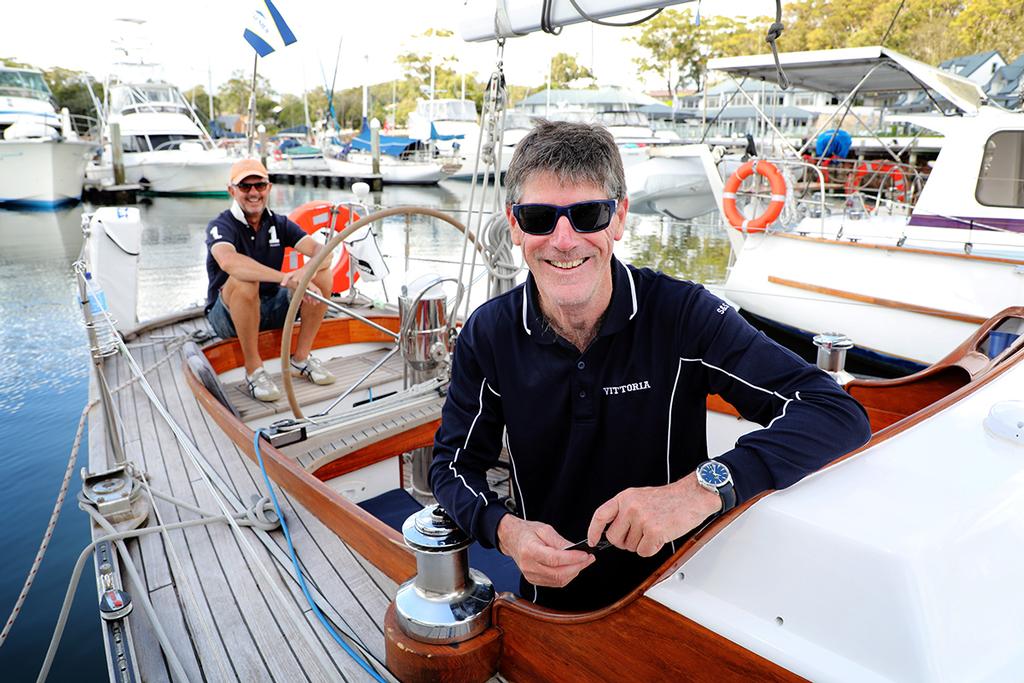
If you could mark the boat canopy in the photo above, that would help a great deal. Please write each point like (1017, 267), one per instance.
(841, 71)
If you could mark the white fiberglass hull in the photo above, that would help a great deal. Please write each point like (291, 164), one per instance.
(173, 171)
(915, 301)
(396, 172)
(297, 163)
(42, 173)
(676, 187)
(465, 169)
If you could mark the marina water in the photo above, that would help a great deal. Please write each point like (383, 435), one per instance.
(44, 368)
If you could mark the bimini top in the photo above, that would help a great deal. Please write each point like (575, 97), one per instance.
(841, 71)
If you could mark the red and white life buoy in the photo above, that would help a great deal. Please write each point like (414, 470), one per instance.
(778, 184)
(316, 218)
(277, 154)
(883, 168)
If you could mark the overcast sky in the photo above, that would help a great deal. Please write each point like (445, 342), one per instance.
(189, 38)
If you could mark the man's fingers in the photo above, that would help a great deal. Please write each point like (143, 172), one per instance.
(649, 545)
(552, 538)
(599, 521)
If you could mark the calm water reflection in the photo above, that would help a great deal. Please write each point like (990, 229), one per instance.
(44, 366)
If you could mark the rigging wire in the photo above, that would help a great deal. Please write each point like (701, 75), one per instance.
(892, 23)
(599, 22)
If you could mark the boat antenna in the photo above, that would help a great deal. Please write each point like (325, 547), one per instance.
(774, 32)
(893, 22)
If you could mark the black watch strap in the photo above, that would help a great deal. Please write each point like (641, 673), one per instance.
(728, 494)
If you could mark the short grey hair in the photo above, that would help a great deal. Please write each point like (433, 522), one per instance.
(575, 153)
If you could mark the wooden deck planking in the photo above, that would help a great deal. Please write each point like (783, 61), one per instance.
(152, 446)
(347, 370)
(259, 611)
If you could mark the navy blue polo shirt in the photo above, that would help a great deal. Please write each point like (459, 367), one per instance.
(265, 246)
(630, 411)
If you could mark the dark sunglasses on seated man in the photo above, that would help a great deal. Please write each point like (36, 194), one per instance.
(259, 185)
(540, 219)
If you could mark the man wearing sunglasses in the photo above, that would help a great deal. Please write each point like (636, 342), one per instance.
(594, 376)
(248, 293)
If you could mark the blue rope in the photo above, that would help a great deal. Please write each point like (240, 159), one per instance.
(298, 572)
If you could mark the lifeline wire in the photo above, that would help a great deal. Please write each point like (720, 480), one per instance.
(298, 571)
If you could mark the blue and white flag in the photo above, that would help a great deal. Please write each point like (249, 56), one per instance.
(267, 29)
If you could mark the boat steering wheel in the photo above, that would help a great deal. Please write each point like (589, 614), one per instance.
(314, 265)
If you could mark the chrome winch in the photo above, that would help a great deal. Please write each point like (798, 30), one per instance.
(447, 601)
(832, 348)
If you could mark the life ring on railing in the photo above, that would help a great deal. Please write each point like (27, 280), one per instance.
(774, 210)
(899, 180)
(315, 219)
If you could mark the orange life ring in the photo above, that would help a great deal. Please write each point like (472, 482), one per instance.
(899, 180)
(774, 210)
(315, 218)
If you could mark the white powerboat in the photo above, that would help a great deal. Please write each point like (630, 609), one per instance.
(904, 281)
(452, 129)
(165, 147)
(42, 161)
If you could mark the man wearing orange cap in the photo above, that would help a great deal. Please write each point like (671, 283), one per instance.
(248, 292)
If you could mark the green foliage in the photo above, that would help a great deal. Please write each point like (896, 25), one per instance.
(233, 96)
(565, 69)
(992, 25)
(200, 101)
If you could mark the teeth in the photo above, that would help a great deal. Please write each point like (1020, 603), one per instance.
(566, 264)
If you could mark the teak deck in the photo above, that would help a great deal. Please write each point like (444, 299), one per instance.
(223, 622)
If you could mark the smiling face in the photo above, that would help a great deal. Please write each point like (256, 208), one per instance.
(252, 201)
(572, 270)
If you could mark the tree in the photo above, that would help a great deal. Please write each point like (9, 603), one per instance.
(233, 96)
(992, 25)
(200, 99)
(673, 43)
(565, 69)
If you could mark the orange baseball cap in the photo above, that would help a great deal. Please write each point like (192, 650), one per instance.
(247, 167)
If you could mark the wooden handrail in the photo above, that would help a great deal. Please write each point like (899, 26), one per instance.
(878, 301)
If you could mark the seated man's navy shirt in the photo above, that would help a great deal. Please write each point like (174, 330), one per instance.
(628, 412)
(265, 246)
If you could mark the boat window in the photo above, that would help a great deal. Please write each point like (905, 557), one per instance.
(1001, 180)
(134, 143)
(171, 141)
(23, 84)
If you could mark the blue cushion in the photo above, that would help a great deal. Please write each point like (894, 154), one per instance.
(395, 506)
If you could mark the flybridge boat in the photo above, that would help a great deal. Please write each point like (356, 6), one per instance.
(452, 128)
(42, 160)
(845, 576)
(905, 265)
(165, 147)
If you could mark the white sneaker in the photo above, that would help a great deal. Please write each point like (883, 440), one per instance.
(312, 369)
(262, 387)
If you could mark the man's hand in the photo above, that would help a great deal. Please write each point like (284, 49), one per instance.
(539, 552)
(291, 281)
(642, 520)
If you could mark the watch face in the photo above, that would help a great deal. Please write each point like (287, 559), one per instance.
(714, 473)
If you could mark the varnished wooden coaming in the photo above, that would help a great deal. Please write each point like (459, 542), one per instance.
(636, 638)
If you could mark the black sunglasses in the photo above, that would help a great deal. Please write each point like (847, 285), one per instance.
(258, 185)
(540, 219)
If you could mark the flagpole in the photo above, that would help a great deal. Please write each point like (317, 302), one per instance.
(252, 105)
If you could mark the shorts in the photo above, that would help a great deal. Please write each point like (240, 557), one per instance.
(273, 311)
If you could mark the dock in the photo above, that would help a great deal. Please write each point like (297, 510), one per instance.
(324, 179)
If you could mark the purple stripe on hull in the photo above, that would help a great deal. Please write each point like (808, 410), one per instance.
(964, 222)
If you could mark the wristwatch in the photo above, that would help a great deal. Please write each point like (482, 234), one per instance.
(715, 476)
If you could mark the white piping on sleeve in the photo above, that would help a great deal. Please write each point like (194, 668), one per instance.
(632, 291)
(515, 477)
(525, 326)
(458, 451)
(785, 401)
(668, 436)
(493, 391)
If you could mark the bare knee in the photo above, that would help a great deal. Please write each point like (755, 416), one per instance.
(237, 293)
